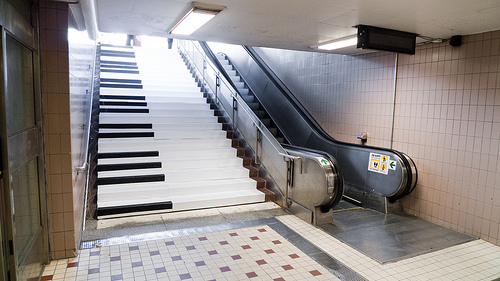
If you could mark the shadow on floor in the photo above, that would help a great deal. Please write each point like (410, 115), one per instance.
(388, 237)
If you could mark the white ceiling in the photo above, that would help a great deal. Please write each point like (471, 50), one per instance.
(299, 24)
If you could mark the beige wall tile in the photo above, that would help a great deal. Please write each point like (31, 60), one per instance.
(447, 118)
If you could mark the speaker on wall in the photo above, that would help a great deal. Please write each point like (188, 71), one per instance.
(377, 38)
(456, 40)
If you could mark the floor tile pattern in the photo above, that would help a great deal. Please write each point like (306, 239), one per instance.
(476, 260)
(256, 253)
(281, 248)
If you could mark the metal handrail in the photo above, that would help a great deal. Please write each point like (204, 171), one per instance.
(82, 168)
(237, 97)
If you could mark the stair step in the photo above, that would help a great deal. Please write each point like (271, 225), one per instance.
(180, 188)
(162, 93)
(216, 200)
(149, 144)
(157, 166)
(133, 113)
(130, 172)
(198, 134)
(208, 174)
(130, 179)
(129, 166)
(133, 209)
(133, 154)
(117, 118)
(195, 105)
(117, 127)
(177, 154)
(180, 203)
(124, 126)
(126, 135)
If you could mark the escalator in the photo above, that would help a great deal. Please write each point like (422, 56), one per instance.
(371, 174)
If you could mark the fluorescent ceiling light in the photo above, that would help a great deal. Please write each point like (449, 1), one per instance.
(344, 42)
(193, 20)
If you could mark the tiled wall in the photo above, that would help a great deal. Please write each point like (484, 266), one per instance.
(63, 134)
(447, 118)
(55, 81)
(346, 94)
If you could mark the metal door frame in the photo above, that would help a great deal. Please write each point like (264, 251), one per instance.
(14, 25)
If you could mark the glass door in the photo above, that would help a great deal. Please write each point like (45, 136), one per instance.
(22, 191)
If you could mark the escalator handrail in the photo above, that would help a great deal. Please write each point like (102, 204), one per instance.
(333, 163)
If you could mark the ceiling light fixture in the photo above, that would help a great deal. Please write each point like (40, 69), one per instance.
(195, 18)
(344, 42)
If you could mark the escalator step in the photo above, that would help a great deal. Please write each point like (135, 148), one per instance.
(266, 122)
(273, 131)
(253, 105)
(260, 113)
(115, 210)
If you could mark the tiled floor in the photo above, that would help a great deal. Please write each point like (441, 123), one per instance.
(281, 248)
(257, 253)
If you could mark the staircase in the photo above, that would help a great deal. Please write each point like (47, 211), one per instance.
(250, 98)
(161, 147)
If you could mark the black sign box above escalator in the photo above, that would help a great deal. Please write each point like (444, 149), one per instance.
(370, 37)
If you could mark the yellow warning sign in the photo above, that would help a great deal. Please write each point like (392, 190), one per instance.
(383, 167)
(379, 163)
(374, 164)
